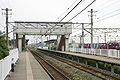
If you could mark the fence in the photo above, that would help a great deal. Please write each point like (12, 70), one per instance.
(103, 52)
(5, 63)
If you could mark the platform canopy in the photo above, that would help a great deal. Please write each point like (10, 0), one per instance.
(42, 28)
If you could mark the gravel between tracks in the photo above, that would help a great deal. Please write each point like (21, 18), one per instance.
(73, 73)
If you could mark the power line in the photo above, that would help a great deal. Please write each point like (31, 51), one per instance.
(81, 11)
(67, 9)
(12, 30)
(71, 10)
(102, 4)
(115, 25)
(108, 5)
(75, 15)
(2, 25)
(80, 28)
(109, 13)
(108, 17)
(77, 26)
(66, 15)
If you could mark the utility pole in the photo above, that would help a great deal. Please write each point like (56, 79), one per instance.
(7, 43)
(105, 36)
(82, 35)
(7, 27)
(81, 44)
(91, 26)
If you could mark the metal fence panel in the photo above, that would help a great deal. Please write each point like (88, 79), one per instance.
(103, 52)
(97, 51)
(113, 53)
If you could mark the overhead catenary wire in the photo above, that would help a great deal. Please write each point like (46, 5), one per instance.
(80, 28)
(101, 5)
(67, 9)
(65, 16)
(115, 25)
(108, 17)
(109, 13)
(76, 26)
(78, 13)
(81, 11)
(64, 12)
(71, 10)
(98, 11)
(2, 25)
(107, 5)
(12, 30)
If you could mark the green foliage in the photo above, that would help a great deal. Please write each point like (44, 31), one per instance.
(3, 48)
(91, 63)
(117, 69)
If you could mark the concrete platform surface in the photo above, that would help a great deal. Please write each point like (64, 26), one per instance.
(94, 57)
(28, 68)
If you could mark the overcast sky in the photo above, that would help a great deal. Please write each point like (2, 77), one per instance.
(107, 15)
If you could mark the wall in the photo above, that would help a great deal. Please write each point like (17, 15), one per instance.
(5, 63)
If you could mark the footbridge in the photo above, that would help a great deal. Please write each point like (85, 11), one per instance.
(61, 29)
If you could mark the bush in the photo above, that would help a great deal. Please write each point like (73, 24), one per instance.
(3, 48)
(117, 69)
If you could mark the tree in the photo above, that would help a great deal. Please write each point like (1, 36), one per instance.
(3, 47)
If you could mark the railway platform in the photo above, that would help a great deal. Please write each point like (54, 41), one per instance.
(27, 68)
(111, 65)
(97, 58)
(87, 56)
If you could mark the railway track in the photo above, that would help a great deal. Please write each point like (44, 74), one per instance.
(97, 72)
(52, 71)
